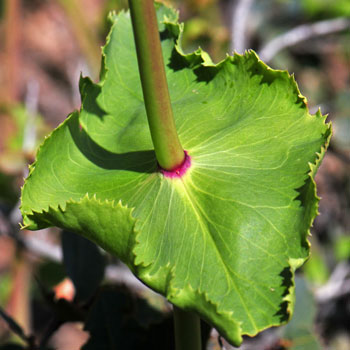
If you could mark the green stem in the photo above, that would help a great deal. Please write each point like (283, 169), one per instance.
(187, 330)
(169, 152)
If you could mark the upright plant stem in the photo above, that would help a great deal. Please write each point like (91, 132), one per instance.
(187, 330)
(169, 152)
(168, 149)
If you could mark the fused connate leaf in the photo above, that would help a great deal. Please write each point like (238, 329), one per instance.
(224, 238)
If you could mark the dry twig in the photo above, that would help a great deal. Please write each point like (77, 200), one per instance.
(239, 24)
(337, 286)
(302, 33)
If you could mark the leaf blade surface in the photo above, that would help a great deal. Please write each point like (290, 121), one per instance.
(223, 240)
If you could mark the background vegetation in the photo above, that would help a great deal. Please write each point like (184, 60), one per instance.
(44, 46)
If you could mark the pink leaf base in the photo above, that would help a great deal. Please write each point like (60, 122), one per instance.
(179, 171)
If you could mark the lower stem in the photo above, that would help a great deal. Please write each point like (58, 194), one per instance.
(187, 330)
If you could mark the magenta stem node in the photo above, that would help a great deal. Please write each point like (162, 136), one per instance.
(180, 170)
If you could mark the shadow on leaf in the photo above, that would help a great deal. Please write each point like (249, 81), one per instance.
(88, 88)
(139, 161)
(287, 282)
(205, 74)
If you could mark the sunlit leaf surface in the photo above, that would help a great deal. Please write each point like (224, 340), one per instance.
(225, 238)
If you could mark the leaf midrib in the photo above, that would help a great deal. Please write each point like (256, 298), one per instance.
(205, 229)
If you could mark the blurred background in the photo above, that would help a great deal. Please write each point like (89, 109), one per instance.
(57, 289)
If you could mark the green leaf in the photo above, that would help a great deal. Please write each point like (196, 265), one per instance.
(326, 8)
(84, 263)
(316, 269)
(300, 330)
(50, 273)
(342, 248)
(111, 322)
(5, 287)
(8, 190)
(105, 322)
(224, 239)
